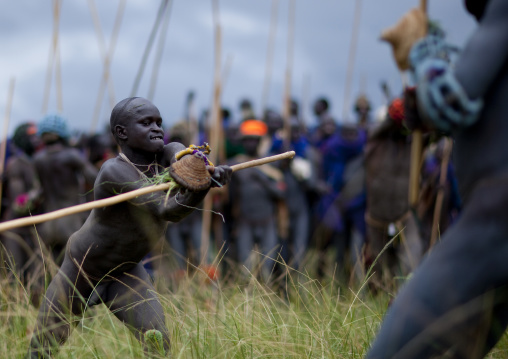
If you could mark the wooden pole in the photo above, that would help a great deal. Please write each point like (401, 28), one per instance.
(269, 54)
(415, 166)
(416, 152)
(148, 47)
(107, 56)
(7, 119)
(159, 52)
(53, 54)
(286, 110)
(58, 65)
(262, 161)
(351, 61)
(215, 130)
(306, 84)
(443, 176)
(26, 221)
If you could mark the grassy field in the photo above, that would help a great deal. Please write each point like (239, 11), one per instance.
(298, 317)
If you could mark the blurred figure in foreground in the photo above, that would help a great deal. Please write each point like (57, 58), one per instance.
(456, 303)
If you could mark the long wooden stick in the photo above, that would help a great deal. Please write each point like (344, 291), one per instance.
(53, 54)
(414, 166)
(159, 52)
(262, 161)
(416, 152)
(443, 176)
(215, 129)
(286, 108)
(107, 56)
(148, 47)
(26, 221)
(269, 54)
(351, 60)
(7, 119)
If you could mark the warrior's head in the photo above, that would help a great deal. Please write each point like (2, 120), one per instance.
(476, 7)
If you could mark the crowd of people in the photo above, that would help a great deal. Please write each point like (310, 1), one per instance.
(328, 212)
(344, 197)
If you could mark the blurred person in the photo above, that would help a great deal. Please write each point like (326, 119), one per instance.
(298, 177)
(254, 193)
(246, 110)
(327, 221)
(100, 147)
(273, 139)
(437, 179)
(455, 304)
(184, 237)
(352, 198)
(321, 110)
(66, 176)
(362, 109)
(22, 198)
(388, 214)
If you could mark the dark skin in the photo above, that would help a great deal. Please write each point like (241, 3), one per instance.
(21, 243)
(456, 303)
(62, 171)
(103, 257)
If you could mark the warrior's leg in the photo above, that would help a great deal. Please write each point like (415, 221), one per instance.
(133, 300)
(410, 251)
(195, 242)
(245, 245)
(379, 260)
(62, 305)
(300, 238)
(456, 301)
(269, 247)
(357, 244)
(177, 243)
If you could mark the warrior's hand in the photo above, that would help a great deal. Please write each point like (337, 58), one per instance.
(410, 28)
(221, 175)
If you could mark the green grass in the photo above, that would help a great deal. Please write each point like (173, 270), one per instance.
(224, 319)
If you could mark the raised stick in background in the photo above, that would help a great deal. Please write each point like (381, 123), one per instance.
(107, 56)
(286, 108)
(26, 221)
(159, 52)
(351, 60)
(148, 47)
(54, 56)
(216, 139)
(269, 54)
(416, 150)
(443, 176)
(7, 119)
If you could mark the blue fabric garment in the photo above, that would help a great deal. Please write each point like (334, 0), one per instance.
(337, 151)
(299, 145)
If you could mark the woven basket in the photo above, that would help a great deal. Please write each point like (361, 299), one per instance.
(190, 172)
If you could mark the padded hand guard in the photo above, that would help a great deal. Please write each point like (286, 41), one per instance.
(190, 172)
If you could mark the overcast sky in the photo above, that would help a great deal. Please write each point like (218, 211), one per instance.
(322, 42)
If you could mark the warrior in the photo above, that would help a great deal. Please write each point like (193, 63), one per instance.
(104, 256)
(456, 302)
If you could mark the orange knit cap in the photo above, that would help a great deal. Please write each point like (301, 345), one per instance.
(253, 128)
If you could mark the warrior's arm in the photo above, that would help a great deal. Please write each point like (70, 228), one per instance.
(486, 52)
(451, 97)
